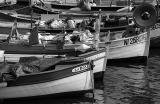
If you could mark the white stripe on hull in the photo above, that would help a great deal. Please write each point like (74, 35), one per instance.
(79, 82)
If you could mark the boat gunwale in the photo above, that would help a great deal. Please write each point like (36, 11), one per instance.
(53, 70)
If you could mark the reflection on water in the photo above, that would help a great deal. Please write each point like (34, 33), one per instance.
(124, 83)
(133, 83)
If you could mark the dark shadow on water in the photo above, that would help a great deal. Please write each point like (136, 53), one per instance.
(127, 62)
(54, 100)
(141, 100)
(154, 52)
(128, 82)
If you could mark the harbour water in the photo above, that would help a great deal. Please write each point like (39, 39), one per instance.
(123, 83)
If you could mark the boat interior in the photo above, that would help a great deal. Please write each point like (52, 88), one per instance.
(34, 65)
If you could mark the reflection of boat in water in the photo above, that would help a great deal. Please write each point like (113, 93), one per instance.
(58, 76)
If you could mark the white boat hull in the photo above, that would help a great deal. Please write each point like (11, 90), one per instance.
(79, 82)
(119, 49)
(98, 61)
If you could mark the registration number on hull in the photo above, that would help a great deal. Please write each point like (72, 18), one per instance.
(80, 68)
(135, 39)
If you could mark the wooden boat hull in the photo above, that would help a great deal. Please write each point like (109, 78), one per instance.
(98, 57)
(50, 83)
(134, 46)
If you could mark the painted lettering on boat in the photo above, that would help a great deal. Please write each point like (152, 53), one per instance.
(156, 26)
(80, 68)
(135, 39)
(100, 55)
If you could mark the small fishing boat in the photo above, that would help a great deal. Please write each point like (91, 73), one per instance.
(14, 52)
(58, 77)
(121, 47)
(131, 47)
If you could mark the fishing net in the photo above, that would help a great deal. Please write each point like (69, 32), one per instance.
(27, 65)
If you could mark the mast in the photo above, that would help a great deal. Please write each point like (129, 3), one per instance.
(31, 3)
